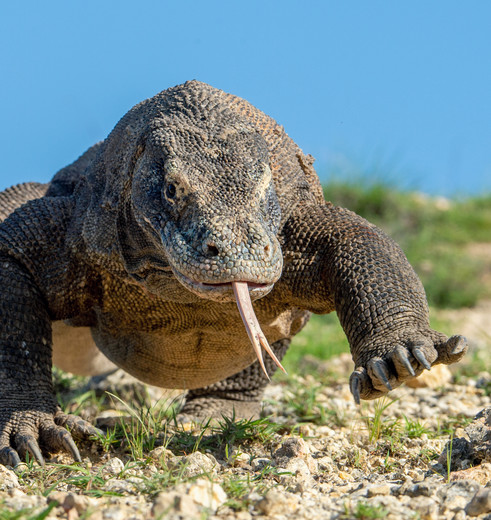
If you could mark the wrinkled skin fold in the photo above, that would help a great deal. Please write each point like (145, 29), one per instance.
(179, 248)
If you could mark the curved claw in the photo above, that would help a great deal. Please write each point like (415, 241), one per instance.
(419, 355)
(9, 457)
(71, 447)
(27, 444)
(34, 450)
(55, 438)
(401, 355)
(380, 370)
(361, 385)
(355, 386)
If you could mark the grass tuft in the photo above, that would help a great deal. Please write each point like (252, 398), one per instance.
(378, 425)
(223, 436)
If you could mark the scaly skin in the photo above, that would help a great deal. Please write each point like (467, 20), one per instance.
(141, 238)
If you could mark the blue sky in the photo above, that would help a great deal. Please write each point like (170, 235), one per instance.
(399, 90)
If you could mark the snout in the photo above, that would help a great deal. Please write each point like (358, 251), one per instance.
(206, 260)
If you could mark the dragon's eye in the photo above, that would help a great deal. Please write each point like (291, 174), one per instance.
(170, 191)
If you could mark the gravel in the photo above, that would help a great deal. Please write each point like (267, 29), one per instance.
(328, 460)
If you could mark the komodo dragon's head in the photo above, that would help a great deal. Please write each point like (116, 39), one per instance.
(207, 193)
(196, 196)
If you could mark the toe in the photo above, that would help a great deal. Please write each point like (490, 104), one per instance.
(452, 350)
(78, 427)
(402, 363)
(54, 438)
(379, 373)
(9, 457)
(361, 386)
(424, 352)
(27, 444)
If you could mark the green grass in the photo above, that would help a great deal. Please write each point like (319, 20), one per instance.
(239, 489)
(138, 435)
(303, 401)
(322, 338)
(414, 428)
(224, 436)
(364, 511)
(432, 232)
(449, 457)
(377, 425)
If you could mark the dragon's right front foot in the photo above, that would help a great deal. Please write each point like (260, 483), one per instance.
(36, 426)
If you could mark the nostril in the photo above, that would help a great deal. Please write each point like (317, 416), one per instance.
(211, 249)
(266, 249)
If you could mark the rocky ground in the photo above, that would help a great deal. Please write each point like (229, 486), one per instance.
(415, 454)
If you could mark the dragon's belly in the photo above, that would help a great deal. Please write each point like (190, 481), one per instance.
(189, 346)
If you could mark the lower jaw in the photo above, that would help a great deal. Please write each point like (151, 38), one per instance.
(223, 292)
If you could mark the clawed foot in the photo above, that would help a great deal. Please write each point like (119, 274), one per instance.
(39, 433)
(381, 373)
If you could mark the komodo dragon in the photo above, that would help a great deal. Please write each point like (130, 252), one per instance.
(153, 244)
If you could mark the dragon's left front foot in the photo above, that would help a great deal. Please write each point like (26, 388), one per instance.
(384, 366)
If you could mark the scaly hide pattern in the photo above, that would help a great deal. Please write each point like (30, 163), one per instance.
(178, 249)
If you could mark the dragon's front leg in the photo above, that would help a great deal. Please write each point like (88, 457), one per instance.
(339, 261)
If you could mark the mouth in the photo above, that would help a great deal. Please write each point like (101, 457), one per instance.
(242, 292)
(223, 292)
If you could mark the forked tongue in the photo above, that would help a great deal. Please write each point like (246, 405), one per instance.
(258, 339)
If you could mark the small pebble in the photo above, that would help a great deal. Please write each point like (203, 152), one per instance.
(380, 489)
(480, 503)
(114, 467)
